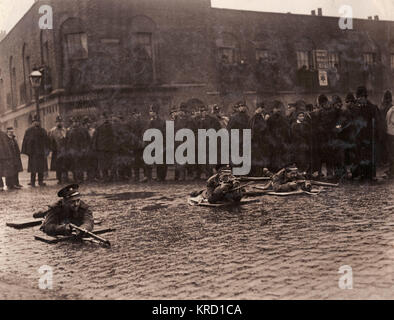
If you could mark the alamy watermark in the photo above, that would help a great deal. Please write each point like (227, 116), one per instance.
(346, 280)
(346, 17)
(46, 20)
(45, 282)
(187, 153)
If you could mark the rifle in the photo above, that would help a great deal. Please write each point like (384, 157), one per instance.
(319, 183)
(90, 234)
(241, 187)
(254, 178)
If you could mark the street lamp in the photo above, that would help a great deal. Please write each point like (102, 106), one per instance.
(35, 81)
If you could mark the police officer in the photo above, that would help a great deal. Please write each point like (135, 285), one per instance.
(70, 210)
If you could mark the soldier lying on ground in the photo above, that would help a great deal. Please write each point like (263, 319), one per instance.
(290, 179)
(223, 186)
(69, 210)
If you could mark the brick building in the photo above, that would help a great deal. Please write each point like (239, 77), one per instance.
(123, 54)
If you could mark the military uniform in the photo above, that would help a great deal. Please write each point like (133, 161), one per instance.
(61, 214)
(290, 179)
(220, 187)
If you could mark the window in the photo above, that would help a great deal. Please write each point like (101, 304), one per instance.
(333, 59)
(262, 54)
(303, 59)
(77, 46)
(369, 59)
(392, 61)
(227, 55)
(228, 48)
(144, 41)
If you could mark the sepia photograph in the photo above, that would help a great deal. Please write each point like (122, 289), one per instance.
(196, 150)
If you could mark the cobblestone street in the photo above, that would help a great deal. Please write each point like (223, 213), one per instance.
(163, 249)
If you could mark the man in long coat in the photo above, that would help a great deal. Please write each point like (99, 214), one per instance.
(368, 136)
(12, 180)
(36, 146)
(103, 145)
(6, 159)
(57, 137)
(78, 145)
(260, 148)
(279, 138)
(155, 122)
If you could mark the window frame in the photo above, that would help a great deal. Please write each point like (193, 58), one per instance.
(82, 35)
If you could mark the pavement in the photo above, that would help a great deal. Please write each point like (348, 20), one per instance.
(277, 248)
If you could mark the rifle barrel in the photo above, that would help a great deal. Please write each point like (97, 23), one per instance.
(90, 234)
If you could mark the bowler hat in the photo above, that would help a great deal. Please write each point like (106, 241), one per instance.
(388, 96)
(361, 92)
(350, 97)
(322, 99)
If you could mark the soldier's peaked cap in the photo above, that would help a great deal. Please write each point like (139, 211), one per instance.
(69, 192)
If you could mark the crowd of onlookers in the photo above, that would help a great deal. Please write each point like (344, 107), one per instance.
(350, 138)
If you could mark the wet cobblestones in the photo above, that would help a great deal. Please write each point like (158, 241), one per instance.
(280, 248)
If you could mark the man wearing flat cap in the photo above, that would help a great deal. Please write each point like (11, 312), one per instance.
(70, 210)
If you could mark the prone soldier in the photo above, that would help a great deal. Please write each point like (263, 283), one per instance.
(290, 179)
(223, 186)
(70, 210)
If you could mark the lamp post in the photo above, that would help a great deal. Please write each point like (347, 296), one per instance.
(35, 81)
